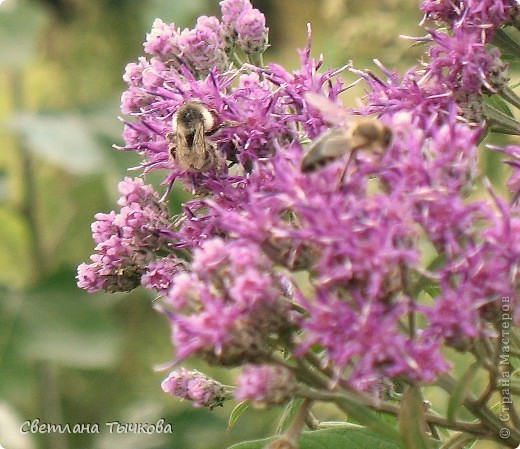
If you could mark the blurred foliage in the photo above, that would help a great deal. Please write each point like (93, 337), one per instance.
(335, 438)
(70, 357)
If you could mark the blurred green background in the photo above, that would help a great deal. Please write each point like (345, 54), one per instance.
(70, 357)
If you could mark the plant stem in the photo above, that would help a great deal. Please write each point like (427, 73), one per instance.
(348, 403)
(407, 289)
(459, 440)
(296, 427)
(491, 367)
(488, 419)
(352, 403)
(338, 398)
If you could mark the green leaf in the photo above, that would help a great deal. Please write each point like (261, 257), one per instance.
(65, 140)
(498, 103)
(240, 408)
(337, 438)
(432, 289)
(510, 96)
(365, 416)
(460, 391)
(428, 285)
(505, 42)
(21, 23)
(500, 120)
(412, 423)
(289, 412)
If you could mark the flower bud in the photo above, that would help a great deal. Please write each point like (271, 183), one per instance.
(195, 386)
(252, 32)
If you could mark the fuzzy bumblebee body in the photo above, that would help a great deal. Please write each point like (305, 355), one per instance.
(190, 147)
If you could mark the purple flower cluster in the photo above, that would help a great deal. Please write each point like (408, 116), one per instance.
(474, 238)
(224, 309)
(126, 241)
(244, 26)
(211, 43)
(485, 15)
(386, 240)
(195, 386)
(460, 65)
(265, 385)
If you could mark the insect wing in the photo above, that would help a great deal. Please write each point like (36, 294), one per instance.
(330, 145)
(180, 150)
(199, 149)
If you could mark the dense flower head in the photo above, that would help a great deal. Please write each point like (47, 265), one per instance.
(411, 92)
(367, 357)
(449, 87)
(232, 9)
(460, 60)
(203, 47)
(127, 240)
(224, 309)
(162, 39)
(483, 14)
(252, 34)
(461, 65)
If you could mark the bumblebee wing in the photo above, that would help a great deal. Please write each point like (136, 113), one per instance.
(183, 152)
(331, 144)
(181, 145)
(199, 149)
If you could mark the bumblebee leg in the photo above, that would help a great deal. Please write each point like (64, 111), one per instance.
(343, 172)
